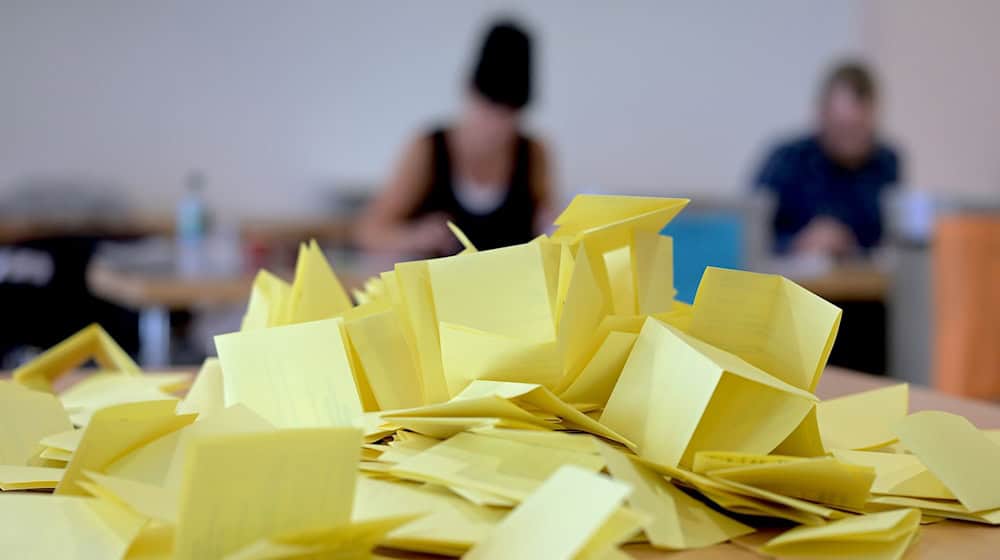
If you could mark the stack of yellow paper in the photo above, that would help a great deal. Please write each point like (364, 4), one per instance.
(547, 400)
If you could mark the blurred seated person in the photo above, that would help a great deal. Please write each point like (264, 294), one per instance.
(828, 184)
(481, 172)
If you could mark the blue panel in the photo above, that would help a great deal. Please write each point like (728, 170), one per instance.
(704, 239)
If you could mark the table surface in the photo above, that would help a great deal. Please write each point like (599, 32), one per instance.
(946, 540)
(137, 289)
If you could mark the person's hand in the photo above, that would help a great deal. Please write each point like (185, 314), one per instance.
(430, 234)
(827, 236)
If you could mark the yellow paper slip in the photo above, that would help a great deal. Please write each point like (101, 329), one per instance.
(507, 468)
(536, 397)
(502, 291)
(824, 480)
(29, 478)
(742, 498)
(293, 376)
(152, 501)
(268, 299)
(949, 509)
(769, 321)
(348, 541)
(102, 390)
(608, 222)
(677, 521)
(75, 528)
(710, 399)
(598, 378)
(653, 271)
(26, 417)
(708, 461)
(67, 440)
(621, 281)
(91, 342)
(114, 432)
(958, 454)
(583, 306)
(206, 394)
(316, 291)
(417, 299)
(285, 480)
(898, 474)
(557, 521)
(445, 427)
(485, 406)
(582, 443)
(450, 526)
(468, 354)
(877, 536)
(389, 363)
(863, 420)
(56, 454)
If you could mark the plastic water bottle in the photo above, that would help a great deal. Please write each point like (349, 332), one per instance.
(191, 225)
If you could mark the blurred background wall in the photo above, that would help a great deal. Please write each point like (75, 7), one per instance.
(277, 101)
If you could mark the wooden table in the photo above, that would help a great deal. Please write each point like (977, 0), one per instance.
(850, 282)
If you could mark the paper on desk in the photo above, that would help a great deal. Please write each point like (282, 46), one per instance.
(567, 265)
(769, 321)
(618, 267)
(73, 528)
(949, 509)
(878, 536)
(350, 540)
(101, 390)
(863, 420)
(540, 398)
(557, 520)
(413, 279)
(294, 376)
(468, 354)
(583, 307)
(285, 480)
(114, 432)
(206, 395)
(677, 521)
(622, 323)
(316, 291)
(653, 272)
(389, 363)
(67, 440)
(822, 479)
(711, 400)
(598, 378)
(958, 454)
(149, 500)
(268, 302)
(26, 417)
(155, 541)
(504, 467)
(898, 474)
(608, 222)
(29, 478)
(450, 525)
(91, 342)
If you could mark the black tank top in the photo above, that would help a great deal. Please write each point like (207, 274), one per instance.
(509, 224)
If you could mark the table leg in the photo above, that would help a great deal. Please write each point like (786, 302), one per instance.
(154, 337)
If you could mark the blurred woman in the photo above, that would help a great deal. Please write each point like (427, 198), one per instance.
(481, 172)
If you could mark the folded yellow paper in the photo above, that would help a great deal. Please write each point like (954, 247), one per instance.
(92, 342)
(26, 417)
(556, 521)
(285, 480)
(294, 376)
(863, 420)
(711, 399)
(958, 454)
(768, 321)
(879, 536)
(677, 521)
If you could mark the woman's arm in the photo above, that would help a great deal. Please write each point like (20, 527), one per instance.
(385, 225)
(542, 189)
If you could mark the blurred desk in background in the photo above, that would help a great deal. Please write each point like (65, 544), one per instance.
(860, 281)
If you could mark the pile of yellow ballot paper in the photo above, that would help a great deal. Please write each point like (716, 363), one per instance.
(542, 401)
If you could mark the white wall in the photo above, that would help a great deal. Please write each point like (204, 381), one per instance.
(275, 100)
(940, 66)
